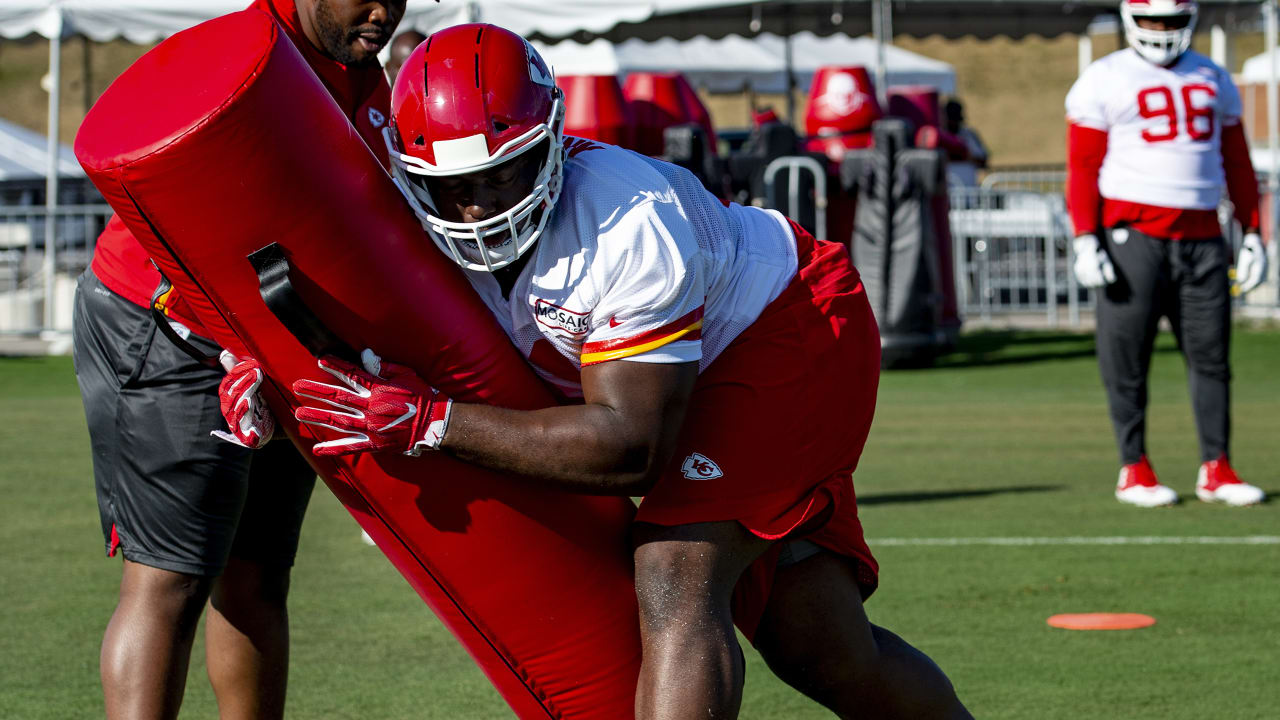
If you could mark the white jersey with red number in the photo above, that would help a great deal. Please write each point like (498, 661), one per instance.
(638, 262)
(1163, 125)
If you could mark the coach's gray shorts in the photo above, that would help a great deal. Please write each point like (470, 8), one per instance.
(170, 495)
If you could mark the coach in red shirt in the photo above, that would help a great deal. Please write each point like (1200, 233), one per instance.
(194, 518)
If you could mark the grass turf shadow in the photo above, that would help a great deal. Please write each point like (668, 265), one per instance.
(936, 495)
(1012, 347)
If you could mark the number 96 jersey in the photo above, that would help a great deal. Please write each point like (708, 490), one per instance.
(1163, 124)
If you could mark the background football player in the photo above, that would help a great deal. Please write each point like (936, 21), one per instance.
(1154, 133)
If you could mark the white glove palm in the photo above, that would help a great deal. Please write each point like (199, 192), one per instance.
(1093, 266)
(1251, 263)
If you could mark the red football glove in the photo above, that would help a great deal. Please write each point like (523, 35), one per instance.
(249, 420)
(381, 407)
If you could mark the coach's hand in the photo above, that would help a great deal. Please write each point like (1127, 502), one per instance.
(1251, 263)
(1093, 266)
(381, 407)
(249, 420)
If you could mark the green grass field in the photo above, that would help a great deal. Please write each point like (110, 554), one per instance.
(1007, 438)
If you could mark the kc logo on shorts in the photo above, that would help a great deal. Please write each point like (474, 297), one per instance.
(700, 467)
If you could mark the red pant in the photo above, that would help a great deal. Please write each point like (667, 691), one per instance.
(777, 423)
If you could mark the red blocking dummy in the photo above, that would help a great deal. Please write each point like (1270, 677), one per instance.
(842, 106)
(221, 141)
(660, 100)
(595, 109)
(917, 103)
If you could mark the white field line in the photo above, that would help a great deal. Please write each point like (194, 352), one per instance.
(1114, 540)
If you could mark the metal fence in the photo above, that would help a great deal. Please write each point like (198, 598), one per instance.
(1012, 250)
(37, 279)
(1013, 255)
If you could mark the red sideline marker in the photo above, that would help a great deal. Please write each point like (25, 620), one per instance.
(1101, 621)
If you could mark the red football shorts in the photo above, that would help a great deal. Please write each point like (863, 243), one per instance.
(777, 423)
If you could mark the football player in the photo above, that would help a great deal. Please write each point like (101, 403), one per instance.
(401, 46)
(713, 358)
(196, 520)
(1154, 134)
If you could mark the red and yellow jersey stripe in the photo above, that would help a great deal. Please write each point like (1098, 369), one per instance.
(688, 327)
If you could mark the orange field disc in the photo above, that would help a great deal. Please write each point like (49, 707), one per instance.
(1101, 621)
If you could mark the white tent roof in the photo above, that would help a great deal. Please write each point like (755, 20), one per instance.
(727, 64)
(24, 155)
(139, 21)
(1258, 67)
(146, 21)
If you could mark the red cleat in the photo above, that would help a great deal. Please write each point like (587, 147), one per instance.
(1217, 482)
(1138, 485)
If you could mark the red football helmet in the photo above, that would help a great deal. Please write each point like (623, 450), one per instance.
(470, 98)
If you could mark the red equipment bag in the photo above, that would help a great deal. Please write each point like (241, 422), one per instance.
(228, 159)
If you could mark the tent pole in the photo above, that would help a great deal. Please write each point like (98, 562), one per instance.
(86, 70)
(1084, 52)
(1220, 46)
(789, 62)
(51, 173)
(1273, 121)
(882, 28)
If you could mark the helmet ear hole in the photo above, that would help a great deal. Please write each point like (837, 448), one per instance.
(419, 141)
(500, 126)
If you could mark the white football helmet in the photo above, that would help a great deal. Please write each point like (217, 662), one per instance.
(1161, 47)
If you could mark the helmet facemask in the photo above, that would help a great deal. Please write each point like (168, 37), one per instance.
(1161, 47)
(499, 240)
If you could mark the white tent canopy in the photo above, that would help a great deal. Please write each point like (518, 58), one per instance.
(734, 62)
(151, 20)
(146, 21)
(1258, 67)
(24, 155)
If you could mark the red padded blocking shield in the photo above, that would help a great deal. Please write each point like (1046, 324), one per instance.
(917, 103)
(660, 100)
(221, 141)
(595, 109)
(842, 106)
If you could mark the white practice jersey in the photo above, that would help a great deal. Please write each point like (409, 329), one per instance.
(638, 262)
(1163, 125)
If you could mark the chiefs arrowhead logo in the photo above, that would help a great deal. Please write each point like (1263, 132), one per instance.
(700, 467)
(538, 71)
(842, 95)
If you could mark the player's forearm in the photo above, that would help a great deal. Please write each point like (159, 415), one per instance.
(583, 448)
(1086, 149)
(1242, 182)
